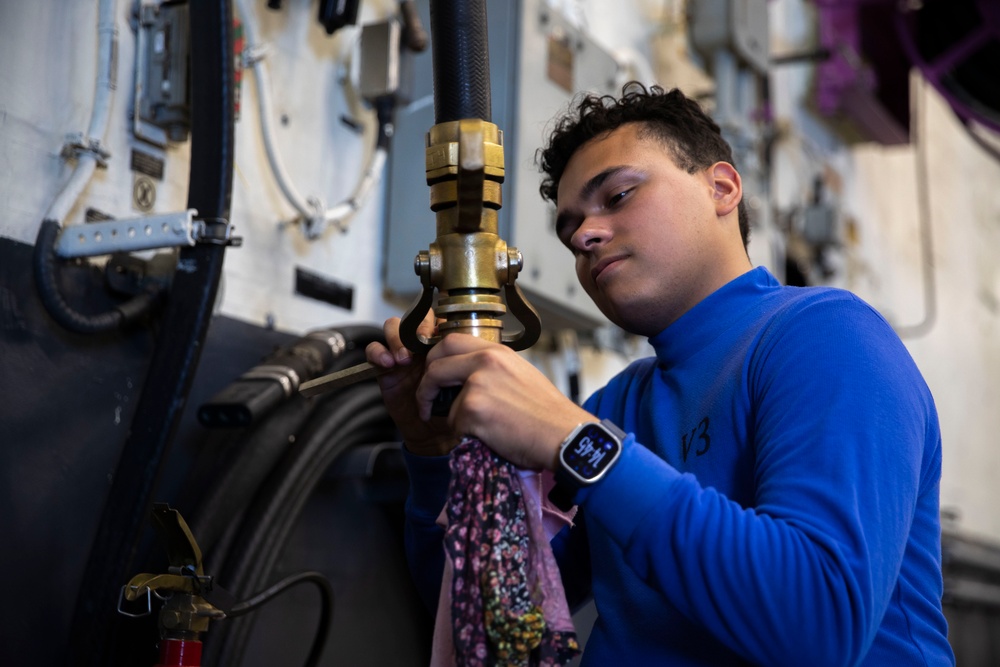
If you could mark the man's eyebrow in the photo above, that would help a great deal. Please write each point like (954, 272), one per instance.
(595, 182)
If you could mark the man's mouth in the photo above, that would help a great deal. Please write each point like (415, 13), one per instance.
(603, 264)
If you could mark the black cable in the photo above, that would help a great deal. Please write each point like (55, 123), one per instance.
(232, 480)
(234, 484)
(231, 483)
(276, 379)
(46, 270)
(325, 614)
(255, 564)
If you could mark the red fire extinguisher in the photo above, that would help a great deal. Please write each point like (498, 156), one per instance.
(179, 653)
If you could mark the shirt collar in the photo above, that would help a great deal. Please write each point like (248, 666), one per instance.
(713, 315)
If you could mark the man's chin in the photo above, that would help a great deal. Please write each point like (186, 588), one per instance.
(632, 317)
(617, 314)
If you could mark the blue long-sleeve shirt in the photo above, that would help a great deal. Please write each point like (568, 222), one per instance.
(776, 501)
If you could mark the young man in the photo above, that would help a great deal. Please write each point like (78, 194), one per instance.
(775, 499)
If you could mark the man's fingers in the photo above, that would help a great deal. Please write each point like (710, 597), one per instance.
(450, 372)
(390, 329)
(378, 354)
(457, 344)
(428, 326)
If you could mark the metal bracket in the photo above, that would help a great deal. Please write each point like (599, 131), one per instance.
(161, 108)
(169, 230)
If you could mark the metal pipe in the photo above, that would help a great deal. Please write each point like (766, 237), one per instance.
(308, 209)
(88, 159)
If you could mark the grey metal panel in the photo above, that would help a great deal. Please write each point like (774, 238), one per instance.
(549, 275)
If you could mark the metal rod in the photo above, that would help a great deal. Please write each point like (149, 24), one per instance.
(344, 378)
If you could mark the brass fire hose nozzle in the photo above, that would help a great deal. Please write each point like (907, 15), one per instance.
(468, 261)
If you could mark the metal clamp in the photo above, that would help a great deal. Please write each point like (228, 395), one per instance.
(334, 339)
(283, 375)
(77, 144)
(216, 231)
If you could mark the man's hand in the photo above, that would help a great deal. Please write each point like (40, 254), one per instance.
(425, 437)
(504, 401)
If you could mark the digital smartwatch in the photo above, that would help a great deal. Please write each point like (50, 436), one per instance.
(585, 458)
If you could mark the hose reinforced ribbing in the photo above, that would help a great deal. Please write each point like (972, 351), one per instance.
(460, 50)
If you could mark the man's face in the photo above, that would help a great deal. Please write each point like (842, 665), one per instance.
(650, 239)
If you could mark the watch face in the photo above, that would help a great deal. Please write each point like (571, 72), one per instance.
(591, 451)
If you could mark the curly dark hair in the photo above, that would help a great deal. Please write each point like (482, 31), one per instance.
(694, 140)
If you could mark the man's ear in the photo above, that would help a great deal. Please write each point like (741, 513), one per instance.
(727, 188)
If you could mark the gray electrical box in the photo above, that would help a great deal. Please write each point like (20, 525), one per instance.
(537, 62)
(736, 25)
(162, 109)
(379, 59)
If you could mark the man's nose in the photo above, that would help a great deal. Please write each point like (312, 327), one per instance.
(592, 232)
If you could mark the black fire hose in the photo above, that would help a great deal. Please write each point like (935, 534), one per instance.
(95, 628)
(460, 51)
(250, 456)
(345, 419)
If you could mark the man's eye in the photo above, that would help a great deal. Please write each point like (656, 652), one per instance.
(616, 198)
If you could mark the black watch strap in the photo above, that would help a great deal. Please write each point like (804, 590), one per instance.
(562, 495)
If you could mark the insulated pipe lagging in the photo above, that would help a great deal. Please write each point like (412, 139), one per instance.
(46, 268)
(460, 50)
(87, 161)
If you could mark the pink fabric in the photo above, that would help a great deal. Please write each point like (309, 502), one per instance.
(543, 520)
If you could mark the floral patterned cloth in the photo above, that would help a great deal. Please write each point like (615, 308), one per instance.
(501, 596)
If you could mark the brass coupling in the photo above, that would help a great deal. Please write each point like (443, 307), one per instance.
(465, 167)
(477, 261)
(479, 265)
(468, 263)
